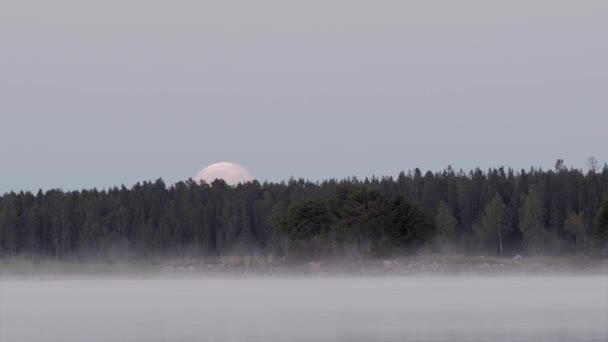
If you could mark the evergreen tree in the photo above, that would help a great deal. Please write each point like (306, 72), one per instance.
(446, 224)
(532, 223)
(494, 209)
(411, 225)
(575, 225)
(601, 231)
(495, 225)
(306, 219)
(363, 216)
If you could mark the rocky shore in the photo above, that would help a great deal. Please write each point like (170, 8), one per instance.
(402, 266)
(422, 265)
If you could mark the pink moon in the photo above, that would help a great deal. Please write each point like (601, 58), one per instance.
(231, 173)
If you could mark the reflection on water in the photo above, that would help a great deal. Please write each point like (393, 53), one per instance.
(346, 309)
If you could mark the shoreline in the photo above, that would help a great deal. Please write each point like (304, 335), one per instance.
(251, 266)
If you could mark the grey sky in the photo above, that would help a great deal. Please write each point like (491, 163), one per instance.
(99, 93)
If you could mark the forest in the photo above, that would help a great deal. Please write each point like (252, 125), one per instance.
(495, 212)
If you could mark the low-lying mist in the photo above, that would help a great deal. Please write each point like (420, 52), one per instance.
(448, 308)
(257, 265)
(242, 297)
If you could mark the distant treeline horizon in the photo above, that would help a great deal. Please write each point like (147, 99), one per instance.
(497, 212)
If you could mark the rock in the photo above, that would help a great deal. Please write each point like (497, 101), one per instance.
(167, 269)
(314, 266)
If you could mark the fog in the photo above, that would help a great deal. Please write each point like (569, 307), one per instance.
(496, 308)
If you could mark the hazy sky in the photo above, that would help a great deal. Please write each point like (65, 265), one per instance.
(98, 93)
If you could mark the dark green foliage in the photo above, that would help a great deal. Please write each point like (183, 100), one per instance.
(494, 226)
(363, 215)
(306, 219)
(373, 217)
(532, 223)
(410, 223)
(446, 224)
(601, 231)
(575, 225)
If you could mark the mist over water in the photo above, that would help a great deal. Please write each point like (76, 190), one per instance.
(306, 309)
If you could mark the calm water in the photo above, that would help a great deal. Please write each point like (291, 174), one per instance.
(347, 309)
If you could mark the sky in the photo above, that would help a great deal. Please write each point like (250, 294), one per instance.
(102, 93)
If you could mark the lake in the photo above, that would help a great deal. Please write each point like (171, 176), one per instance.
(306, 309)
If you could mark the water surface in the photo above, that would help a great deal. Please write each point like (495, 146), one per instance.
(308, 309)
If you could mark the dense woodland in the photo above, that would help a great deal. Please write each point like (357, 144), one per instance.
(494, 212)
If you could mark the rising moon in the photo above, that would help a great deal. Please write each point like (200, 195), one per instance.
(231, 173)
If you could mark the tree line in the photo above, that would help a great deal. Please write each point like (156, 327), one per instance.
(498, 212)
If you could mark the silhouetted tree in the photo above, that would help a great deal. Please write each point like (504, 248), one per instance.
(601, 232)
(532, 224)
(495, 209)
(495, 225)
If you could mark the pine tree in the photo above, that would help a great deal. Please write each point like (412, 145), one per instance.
(532, 223)
(575, 225)
(494, 226)
(601, 230)
(446, 224)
